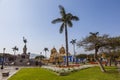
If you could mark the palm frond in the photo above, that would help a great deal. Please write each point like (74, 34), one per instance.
(69, 23)
(69, 16)
(94, 34)
(57, 20)
(46, 49)
(75, 18)
(15, 48)
(62, 10)
(61, 28)
(73, 41)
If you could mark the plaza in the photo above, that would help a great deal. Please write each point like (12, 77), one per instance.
(13, 72)
(59, 39)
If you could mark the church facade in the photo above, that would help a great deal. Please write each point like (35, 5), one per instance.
(59, 56)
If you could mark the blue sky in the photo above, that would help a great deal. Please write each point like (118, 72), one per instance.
(32, 19)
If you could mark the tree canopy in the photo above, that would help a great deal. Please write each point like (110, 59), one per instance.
(100, 42)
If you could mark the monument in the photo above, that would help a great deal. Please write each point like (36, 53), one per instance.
(23, 59)
(25, 47)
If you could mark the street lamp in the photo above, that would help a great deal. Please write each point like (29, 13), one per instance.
(3, 58)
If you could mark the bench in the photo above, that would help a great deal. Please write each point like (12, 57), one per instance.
(5, 74)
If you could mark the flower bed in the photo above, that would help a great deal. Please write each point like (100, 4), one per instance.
(93, 63)
(63, 71)
(70, 66)
(97, 62)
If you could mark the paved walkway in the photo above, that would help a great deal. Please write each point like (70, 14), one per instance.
(12, 70)
(9, 69)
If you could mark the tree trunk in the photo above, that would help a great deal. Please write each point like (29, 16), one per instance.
(111, 56)
(14, 57)
(99, 62)
(74, 53)
(66, 40)
(110, 61)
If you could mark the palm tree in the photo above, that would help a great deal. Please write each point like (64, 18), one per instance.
(73, 42)
(14, 50)
(66, 20)
(46, 49)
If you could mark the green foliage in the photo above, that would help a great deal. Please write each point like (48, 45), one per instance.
(73, 41)
(40, 57)
(82, 56)
(85, 74)
(15, 48)
(46, 49)
(103, 43)
(91, 56)
(94, 41)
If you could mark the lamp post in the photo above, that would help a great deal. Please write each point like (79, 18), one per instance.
(3, 58)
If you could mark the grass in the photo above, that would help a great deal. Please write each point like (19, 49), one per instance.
(85, 74)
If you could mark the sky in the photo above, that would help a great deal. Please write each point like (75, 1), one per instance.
(32, 19)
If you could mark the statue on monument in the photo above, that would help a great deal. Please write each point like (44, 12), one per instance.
(25, 47)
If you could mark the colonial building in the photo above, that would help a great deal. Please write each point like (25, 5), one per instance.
(59, 57)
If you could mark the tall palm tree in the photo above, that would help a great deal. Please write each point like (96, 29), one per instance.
(73, 42)
(66, 20)
(14, 50)
(46, 49)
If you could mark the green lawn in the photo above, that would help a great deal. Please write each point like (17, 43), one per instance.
(85, 74)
